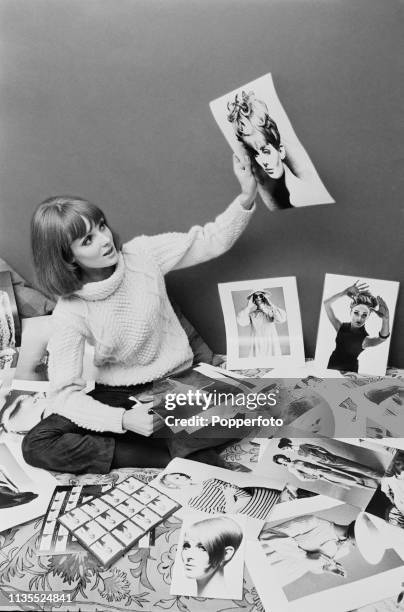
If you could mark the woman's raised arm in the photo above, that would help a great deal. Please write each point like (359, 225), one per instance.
(175, 250)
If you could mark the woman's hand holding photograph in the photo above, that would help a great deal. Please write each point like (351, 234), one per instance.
(243, 171)
(139, 420)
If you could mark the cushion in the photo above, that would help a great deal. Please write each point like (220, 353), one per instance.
(30, 301)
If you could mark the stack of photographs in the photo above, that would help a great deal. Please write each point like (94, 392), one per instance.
(109, 525)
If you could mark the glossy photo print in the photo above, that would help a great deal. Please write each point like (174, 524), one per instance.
(329, 559)
(25, 491)
(356, 323)
(329, 467)
(210, 557)
(255, 124)
(263, 325)
(388, 500)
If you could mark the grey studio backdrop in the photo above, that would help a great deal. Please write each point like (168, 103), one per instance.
(110, 100)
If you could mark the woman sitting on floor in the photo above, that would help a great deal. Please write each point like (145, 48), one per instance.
(115, 298)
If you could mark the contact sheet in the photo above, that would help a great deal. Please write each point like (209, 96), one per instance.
(109, 525)
(54, 538)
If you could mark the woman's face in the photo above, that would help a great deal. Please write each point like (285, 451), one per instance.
(195, 558)
(96, 249)
(359, 315)
(266, 155)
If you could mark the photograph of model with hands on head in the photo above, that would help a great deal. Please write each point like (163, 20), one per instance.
(114, 296)
(261, 316)
(263, 323)
(362, 320)
(209, 561)
(254, 122)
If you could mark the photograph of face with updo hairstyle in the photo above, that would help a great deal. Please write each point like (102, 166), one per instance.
(355, 324)
(209, 561)
(255, 124)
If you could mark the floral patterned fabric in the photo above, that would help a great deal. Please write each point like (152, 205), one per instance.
(138, 581)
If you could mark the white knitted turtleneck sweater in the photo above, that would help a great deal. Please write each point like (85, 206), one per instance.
(129, 320)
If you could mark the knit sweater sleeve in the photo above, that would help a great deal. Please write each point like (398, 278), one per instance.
(175, 250)
(67, 396)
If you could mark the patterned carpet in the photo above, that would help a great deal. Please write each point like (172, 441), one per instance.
(139, 581)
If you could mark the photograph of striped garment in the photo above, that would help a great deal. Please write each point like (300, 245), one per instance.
(218, 496)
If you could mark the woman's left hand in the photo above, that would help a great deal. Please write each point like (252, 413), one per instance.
(383, 309)
(242, 170)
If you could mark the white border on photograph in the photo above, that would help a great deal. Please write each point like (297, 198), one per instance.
(337, 599)
(227, 577)
(302, 180)
(293, 320)
(373, 360)
(335, 476)
(36, 480)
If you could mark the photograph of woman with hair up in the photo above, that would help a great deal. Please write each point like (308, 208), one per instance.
(207, 558)
(352, 337)
(254, 122)
(114, 297)
(357, 320)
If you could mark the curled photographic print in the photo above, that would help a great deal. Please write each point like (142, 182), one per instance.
(255, 124)
(355, 324)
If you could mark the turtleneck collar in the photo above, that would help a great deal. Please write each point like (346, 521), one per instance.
(100, 290)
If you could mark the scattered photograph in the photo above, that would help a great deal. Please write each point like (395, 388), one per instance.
(216, 490)
(263, 323)
(329, 467)
(255, 124)
(25, 492)
(10, 329)
(22, 407)
(356, 322)
(388, 500)
(331, 559)
(210, 557)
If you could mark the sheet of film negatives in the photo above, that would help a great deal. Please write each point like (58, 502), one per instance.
(111, 524)
(55, 539)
